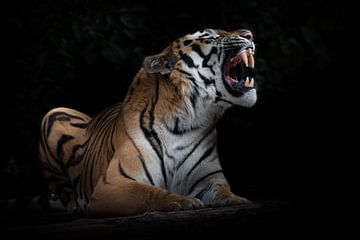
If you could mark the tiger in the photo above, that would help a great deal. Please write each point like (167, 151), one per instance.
(157, 150)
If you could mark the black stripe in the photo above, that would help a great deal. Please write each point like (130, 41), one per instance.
(168, 155)
(141, 158)
(101, 118)
(102, 135)
(184, 72)
(122, 172)
(61, 116)
(72, 160)
(112, 136)
(48, 152)
(177, 131)
(79, 125)
(203, 157)
(179, 148)
(206, 80)
(188, 60)
(207, 57)
(221, 51)
(189, 76)
(192, 150)
(204, 35)
(99, 128)
(197, 49)
(150, 134)
(154, 134)
(176, 127)
(61, 142)
(154, 102)
(192, 79)
(202, 178)
(187, 42)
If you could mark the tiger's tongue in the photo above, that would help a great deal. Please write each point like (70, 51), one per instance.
(232, 74)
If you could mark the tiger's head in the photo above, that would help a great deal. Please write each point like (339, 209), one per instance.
(219, 65)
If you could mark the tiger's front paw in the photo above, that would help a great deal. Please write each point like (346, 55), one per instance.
(184, 203)
(233, 200)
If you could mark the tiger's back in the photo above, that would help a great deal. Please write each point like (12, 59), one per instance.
(75, 150)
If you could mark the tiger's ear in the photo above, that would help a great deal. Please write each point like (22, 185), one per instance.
(161, 63)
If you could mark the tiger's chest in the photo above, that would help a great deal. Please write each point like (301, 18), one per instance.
(188, 156)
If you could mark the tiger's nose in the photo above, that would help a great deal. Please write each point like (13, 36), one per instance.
(246, 33)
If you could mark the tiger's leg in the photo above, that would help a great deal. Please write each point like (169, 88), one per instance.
(62, 136)
(214, 190)
(116, 195)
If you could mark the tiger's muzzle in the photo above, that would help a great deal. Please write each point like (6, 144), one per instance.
(238, 66)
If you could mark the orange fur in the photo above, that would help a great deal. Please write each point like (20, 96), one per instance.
(91, 161)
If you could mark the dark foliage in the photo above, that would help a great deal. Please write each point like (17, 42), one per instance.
(84, 53)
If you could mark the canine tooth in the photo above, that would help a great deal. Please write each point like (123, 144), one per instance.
(252, 82)
(250, 51)
(251, 61)
(244, 58)
(247, 82)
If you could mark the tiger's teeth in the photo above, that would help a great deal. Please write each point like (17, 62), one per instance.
(252, 82)
(251, 61)
(244, 58)
(250, 51)
(247, 82)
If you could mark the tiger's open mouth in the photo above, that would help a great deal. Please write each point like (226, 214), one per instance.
(238, 71)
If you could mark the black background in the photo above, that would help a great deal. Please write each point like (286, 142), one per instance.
(301, 138)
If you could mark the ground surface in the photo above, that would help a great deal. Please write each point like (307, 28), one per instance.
(287, 217)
